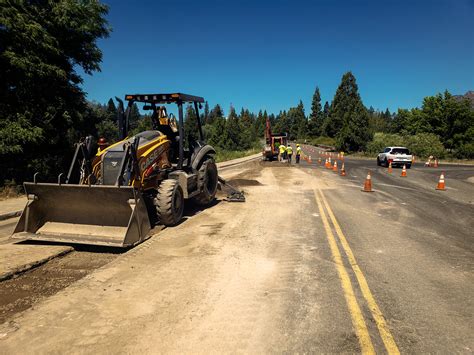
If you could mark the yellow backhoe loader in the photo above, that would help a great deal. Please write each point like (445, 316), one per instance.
(115, 194)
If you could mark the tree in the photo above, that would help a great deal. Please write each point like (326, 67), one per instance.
(249, 135)
(260, 124)
(206, 113)
(349, 120)
(449, 119)
(190, 124)
(215, 113)
(234, 131)
(316, 118)
(43, 44)
(297, 122)
(111, 109)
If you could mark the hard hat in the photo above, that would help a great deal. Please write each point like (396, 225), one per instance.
(297, 145)
(102, 141)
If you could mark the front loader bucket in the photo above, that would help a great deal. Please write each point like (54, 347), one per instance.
(82, 214)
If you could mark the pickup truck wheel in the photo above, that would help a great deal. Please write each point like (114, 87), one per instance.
(386, 163)
(378, 161)
(408, 166)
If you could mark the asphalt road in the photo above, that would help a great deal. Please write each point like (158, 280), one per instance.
(415, 245)
(309, 263)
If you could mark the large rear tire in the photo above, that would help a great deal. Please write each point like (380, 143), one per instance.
(169, 202)
(207, 181)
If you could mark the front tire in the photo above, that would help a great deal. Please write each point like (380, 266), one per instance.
(207, 181)
(169, 202)
(378, 161)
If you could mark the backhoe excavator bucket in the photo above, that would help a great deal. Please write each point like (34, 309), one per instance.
(82, 214)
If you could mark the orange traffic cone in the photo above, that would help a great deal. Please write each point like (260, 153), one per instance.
(334, 168)
(441, 185)
(435, 165)
(319, 160)
(368, 183)
(404, 171)
(329, 163)
(326, 163)
(390, 167)
(309, 159)
(343, 171)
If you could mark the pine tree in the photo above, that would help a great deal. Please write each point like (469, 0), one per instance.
(260, 124)
(316, 117)
(215, 113)
(349, 120)
(206, 113)
(234, 131)
(111, 110)
(326, 110)
(190, 125)
(134, 118)
(298, 125)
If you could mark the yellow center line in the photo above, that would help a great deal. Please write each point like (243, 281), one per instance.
(354, 309)
(384, 331)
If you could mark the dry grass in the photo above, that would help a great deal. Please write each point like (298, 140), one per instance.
(10, 191)
(224, 155)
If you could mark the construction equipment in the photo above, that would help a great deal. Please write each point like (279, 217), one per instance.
(115, 196)
(272, 142)
(234, 195)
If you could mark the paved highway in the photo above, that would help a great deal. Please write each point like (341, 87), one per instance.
(309, 263)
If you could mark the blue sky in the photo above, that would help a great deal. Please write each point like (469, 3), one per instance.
(270, 54)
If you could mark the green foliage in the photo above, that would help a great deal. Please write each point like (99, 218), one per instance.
(42, 107)
(13, 134)
(382, 140)
(425, 144)
(451, 120)
(322, 140)
(348, 120)
(224, 155)
(379, 121)
(190, 124)
(316, 118)
(421, 144)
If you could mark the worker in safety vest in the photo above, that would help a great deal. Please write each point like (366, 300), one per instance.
(289, 152)
(299, 151)
(282, 150)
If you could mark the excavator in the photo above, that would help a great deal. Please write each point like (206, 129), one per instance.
(114, 195)
(272, 141)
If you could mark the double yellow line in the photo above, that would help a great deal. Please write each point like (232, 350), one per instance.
(356, 314)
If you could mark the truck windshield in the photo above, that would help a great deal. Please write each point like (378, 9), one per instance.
(400, 151)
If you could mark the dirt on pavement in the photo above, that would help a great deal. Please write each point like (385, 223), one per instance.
(261, 277)
(25, 290)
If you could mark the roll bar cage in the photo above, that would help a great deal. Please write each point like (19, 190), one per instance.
(154, 99)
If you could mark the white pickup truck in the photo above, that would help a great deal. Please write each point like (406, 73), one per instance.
(396, 155)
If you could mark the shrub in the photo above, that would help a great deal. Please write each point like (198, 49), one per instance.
(382, 140)
(322, 140)
(425, 144)
(465, 151)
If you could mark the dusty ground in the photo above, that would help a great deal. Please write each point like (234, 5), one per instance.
(264, 277)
